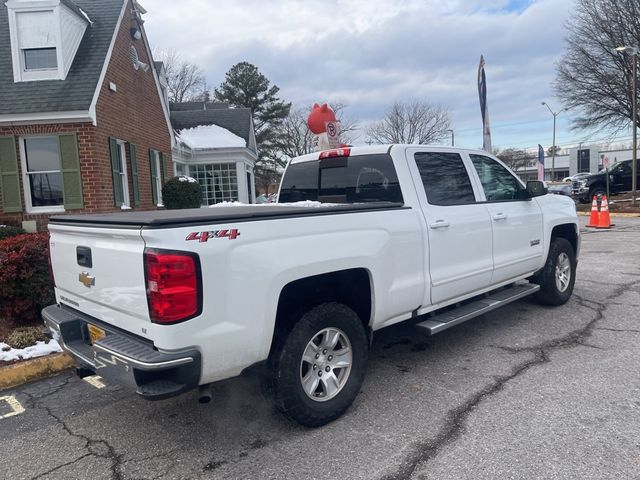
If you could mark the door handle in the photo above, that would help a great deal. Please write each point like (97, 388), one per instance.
(499, 216)
(439, 224)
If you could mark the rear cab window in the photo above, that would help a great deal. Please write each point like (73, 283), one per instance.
(445, 178)
(350, 179)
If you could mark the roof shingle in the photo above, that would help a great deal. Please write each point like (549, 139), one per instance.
(236, 120)
(77, 90)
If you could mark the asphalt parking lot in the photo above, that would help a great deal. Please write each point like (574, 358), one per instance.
(524, 392)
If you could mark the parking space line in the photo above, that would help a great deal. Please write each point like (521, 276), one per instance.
(95, 380)
(16, 407)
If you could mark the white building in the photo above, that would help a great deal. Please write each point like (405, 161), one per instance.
(216, 145)
(572, 160)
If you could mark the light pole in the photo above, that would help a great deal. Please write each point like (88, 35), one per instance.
(452, 137)
(553, 148)
(633, 51)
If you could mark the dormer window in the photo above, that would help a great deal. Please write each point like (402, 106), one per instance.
(45, 35)
(40, 58)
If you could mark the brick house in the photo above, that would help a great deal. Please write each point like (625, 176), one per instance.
(84, 121)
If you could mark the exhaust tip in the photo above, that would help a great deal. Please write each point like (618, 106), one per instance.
(204, 394)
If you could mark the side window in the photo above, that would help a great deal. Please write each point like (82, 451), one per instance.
(498, 182)
(445, 178)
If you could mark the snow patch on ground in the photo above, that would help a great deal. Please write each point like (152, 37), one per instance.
(40, 349)
(305, 203)
(210, 136)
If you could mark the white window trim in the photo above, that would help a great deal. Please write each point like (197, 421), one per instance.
(20, 74)
(175, 168)
(159, 172)
(26, 187)
(124, 176)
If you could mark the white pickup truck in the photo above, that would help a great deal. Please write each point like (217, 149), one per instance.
(167, 301)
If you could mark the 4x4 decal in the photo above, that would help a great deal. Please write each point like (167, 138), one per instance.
(204, 236)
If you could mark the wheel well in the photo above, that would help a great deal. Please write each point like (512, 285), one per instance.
(349, 287)
(567, 231)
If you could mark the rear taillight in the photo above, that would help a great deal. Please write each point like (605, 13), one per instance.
(338, 152)
(174, 285)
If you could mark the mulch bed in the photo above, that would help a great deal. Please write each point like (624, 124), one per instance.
(7, 327)
(616, 204)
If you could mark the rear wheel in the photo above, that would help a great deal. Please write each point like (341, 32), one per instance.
(320, 366)
(557, 278)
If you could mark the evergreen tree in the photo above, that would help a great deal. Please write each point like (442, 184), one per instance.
(245, 86)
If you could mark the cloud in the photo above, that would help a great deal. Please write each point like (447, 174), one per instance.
(369, 53)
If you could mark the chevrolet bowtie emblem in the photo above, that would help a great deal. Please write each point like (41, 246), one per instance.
(87, 280)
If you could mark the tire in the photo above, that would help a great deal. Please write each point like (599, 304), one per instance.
(561, 259)
(596, 191)
(308, 344)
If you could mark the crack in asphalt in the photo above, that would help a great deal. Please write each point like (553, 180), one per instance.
(92, 446)
(425, 451)
(628, 330)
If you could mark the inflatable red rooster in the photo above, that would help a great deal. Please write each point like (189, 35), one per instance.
(320, 119)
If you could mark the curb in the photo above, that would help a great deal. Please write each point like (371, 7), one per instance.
(613, 214)
(34, 369)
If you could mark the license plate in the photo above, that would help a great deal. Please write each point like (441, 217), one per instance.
(95, 333)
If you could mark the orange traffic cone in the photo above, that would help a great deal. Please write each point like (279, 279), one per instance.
(594, 219)
(604, 218)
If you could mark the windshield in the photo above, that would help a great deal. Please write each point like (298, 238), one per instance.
(356, 179)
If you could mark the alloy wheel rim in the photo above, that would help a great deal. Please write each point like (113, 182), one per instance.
(326, 364)
(563, 272)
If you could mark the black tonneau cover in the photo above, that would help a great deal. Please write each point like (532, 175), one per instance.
(205, 216)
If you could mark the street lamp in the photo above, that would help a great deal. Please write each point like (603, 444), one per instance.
(452, 137)
(633, 51)
(553, 148)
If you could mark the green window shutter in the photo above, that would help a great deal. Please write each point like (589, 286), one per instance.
(165, 169)
(118, 194)
(154, 177)
(134, 174)
(71, 177)
(9, 177)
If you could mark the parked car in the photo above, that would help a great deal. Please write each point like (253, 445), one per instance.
(620, 176)
(166, 301)
(577, 176)
(560, 188)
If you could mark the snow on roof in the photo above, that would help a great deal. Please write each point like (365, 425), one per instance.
(210, 136)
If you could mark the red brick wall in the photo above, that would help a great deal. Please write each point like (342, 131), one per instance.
(133, 114)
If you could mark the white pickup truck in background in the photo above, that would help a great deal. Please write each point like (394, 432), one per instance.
(167, 301)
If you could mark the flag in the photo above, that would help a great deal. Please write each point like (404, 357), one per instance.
(484, 110)
(540, 163)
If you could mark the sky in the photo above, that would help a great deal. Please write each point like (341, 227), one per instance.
(367, 54)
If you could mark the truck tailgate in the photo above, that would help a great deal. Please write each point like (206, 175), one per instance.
(100, 272)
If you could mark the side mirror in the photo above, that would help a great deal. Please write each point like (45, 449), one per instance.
(536, 188)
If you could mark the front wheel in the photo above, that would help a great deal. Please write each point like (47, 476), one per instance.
(558, 277)
(597, 192)
(321, 364)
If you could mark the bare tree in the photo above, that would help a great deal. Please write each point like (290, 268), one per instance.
(515, 158)
(294, 137)
(592, 76)
(185, 80)
(413, 122)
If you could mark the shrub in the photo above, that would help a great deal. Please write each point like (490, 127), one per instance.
(24, 337)
(182, 192)
(25, 283)
(7, 231)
